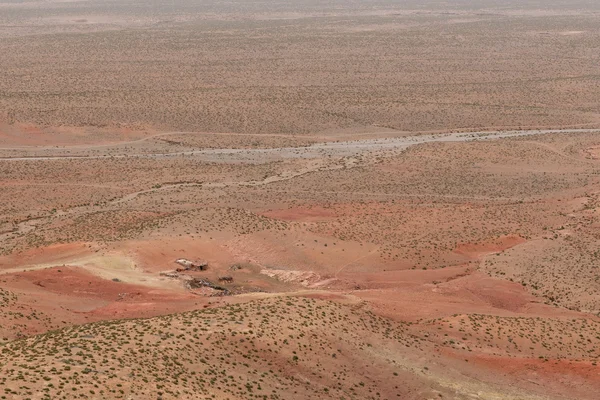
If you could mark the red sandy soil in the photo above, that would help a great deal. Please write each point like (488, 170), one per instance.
(418, 250)
(476, 250)
(302, 214)
(71, 293)
(73, 281)
(22, 134)
(578, 378)
(415, 294)
(467, 268)
(54, 253)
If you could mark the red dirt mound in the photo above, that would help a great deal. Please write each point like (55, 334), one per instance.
(74, 281)
(476, 250)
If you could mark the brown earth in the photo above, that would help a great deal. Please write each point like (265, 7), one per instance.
(455, 260)
(359, 243)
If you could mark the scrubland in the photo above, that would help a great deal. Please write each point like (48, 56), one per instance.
(370, 229)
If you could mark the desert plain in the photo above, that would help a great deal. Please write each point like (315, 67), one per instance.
(299, 200)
